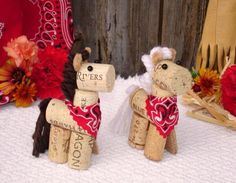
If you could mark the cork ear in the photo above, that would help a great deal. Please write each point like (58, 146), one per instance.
(77, 62)
(156, 57)
(173, 53)
(88, 49)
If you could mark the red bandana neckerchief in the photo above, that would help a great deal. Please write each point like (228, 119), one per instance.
(89, 117)
(163, 112)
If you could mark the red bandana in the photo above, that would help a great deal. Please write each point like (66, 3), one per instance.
(47, 22)
(89, 117)
(163, 112)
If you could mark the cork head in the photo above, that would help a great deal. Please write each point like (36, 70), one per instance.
(172, 77)
(96, 77)
(93, 76)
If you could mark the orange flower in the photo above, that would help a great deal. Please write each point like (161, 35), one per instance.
(25, 93)
(208, 80)
(10, 75)
(22, 49)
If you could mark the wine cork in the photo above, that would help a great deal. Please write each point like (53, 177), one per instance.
(171, 143)
(157, 91)
(96, 77)
(95, 149)
(58, 144)
(138, 102)
(80, 151)
(58, 114)
(138, 131)
(155, 144)
(85, 98)
(81, 144)
(174, 78)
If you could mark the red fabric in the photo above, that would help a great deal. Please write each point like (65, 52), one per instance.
(163, 112)
(47, 22)
(89, 117)
(10, 24)
(228, 90)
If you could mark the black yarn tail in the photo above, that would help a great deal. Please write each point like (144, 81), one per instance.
(42, 130)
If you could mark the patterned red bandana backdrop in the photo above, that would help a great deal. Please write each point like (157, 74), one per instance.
(89, 117)
(47, 22)
(163, 112)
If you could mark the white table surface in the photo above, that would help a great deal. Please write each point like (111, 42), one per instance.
(207, 153)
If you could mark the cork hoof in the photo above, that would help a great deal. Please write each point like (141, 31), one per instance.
(153, 158)
(136, 146)
(171, 143)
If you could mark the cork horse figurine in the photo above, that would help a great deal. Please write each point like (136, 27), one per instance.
(155, 111)
(68, 129)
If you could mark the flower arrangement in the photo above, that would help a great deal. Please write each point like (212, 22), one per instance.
(206, 82)
(30, 73)
(213, 95)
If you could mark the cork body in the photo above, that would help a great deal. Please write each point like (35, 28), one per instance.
(143, 134)
(58, 114)
(58, 144)
(68, 141)
(138, 131)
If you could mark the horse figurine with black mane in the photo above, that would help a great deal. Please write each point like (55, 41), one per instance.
(68, 129)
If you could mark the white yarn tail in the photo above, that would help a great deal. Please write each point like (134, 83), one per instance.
(120, 124)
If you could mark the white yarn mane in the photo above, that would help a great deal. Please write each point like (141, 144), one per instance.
(120, 124)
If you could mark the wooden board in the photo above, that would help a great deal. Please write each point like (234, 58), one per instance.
(120, 31)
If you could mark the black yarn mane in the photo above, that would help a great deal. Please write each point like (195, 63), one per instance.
(69, 85)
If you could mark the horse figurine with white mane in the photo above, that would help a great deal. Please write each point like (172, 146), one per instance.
(68, 129)
(154, 105)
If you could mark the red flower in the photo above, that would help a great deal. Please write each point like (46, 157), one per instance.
(228, 89)
(196, 88)
(47, 73)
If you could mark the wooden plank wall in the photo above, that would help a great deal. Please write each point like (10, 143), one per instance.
(121, 31)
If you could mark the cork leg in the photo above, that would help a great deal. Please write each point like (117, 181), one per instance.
(58, 144)
(171, 143)
(138, 131)
(80, 151)
(95, 149)
(155, 144)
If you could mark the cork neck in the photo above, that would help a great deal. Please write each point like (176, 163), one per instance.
(158, 92)
(84, 98)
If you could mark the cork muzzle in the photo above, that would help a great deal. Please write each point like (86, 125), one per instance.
(93, 76)
(172, 77)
